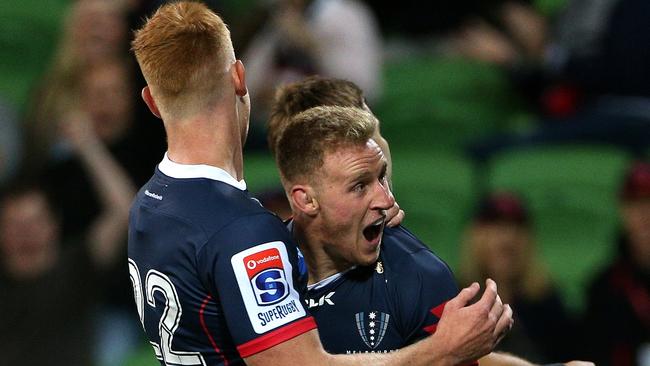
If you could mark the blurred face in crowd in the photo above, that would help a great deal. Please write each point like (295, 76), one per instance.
(636, 220)
(503, 247)
(105, 94)
(352, 194)
(99, 30)
(28, 235)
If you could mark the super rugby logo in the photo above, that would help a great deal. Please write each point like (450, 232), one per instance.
(263, 274)
(266, 274)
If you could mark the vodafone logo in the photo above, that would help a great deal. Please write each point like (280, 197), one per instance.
(252, 264)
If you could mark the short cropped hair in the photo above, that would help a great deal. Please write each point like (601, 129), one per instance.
(310, 134)
(310, 92)
(184, 51)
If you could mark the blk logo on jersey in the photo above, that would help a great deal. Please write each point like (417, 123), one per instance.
(324, 300)
(266, 274)
(372, 327)
(263, 275)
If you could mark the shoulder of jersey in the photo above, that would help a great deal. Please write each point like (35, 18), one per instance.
(402, 251)
(205, 202)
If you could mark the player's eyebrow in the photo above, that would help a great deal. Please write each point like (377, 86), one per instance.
(361, 176)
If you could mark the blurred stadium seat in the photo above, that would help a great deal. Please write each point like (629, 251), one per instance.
(260, 172)
(444, 102)
(29, 31)
(436, 191)
(572, 195)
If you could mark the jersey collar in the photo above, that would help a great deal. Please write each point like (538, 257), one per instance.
(185, 171)
(326, 281)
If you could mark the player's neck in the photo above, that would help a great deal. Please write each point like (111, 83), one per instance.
(320, 263)
(212, 141)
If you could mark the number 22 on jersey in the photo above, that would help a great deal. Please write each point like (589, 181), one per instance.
(171, 316)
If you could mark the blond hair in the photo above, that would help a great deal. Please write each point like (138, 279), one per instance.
(313, 91)
(310, 134)
(533, 282)
(184, 51)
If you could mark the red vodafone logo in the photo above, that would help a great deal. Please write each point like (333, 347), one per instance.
(260, 261)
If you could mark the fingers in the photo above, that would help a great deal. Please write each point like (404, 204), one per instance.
(398, 218)
(489, 295)
(504, 324)
(496, 310)
(464, 296)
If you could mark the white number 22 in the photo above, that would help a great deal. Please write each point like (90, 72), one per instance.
(171, 316)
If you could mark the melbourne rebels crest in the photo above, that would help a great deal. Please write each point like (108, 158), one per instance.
(372, 327)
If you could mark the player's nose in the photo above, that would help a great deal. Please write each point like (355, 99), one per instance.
(382, 199)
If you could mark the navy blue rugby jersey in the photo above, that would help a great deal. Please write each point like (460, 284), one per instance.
(213, 272)
(387, 306)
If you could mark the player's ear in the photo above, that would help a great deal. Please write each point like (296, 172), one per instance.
(239, 78)
(148, 99)
(303, 199)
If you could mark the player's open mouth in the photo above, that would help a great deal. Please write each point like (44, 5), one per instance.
(372, 231)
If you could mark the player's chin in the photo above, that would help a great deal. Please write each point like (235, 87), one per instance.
(370, 253)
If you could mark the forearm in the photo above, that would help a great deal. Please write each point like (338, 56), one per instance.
(109, 179)
(427, 352)
(306, 349)
(503, 359)
(107, 233)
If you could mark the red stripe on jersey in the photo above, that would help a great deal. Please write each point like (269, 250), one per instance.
(207, 332)
(276, 337)
(431, 328)
(437, 311)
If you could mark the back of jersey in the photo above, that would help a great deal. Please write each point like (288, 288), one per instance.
(212, 271)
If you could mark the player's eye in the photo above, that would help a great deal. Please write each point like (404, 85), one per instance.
(359, 187)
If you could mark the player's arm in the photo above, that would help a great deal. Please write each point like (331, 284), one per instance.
(106, 234)
(503, 359)
(506, 359)
(234, 272)
(465, 333)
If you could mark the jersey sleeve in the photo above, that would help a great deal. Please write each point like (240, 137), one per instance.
(429, 285)
(251, 266)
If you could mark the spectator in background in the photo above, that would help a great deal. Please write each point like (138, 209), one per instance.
(94, 31)
(500, 245)
(617, 319)
(49, 290)
(105, 104)
(305, 37)
(590, 83)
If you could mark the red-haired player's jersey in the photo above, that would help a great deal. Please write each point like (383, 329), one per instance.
(213, 272)
(387, 306)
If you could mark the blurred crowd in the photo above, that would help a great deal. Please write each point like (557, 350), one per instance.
(74, 153)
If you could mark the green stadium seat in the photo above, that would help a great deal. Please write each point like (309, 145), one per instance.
(436, 191)
(444, 102)
(572, 195)
(29, 33)
(260, 172)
